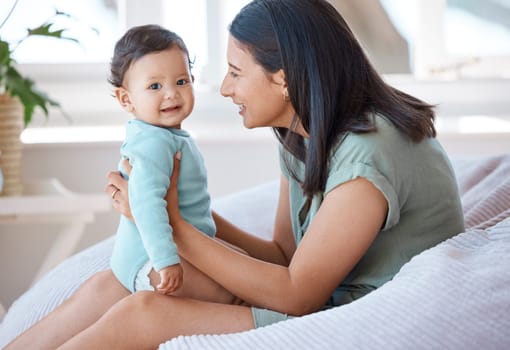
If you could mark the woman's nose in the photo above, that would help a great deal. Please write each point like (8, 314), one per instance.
(225, 88)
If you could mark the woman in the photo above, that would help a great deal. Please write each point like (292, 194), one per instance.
(364, 187)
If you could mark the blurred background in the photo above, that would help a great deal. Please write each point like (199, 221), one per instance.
(453, 53)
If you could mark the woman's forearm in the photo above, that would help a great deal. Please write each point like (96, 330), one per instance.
(240, 274)
(256, 247)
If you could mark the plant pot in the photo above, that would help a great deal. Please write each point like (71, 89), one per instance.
(11, 126)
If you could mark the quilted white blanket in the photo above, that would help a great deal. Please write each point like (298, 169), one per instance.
(453, 296)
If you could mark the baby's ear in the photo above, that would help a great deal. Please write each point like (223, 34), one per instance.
(122, 96)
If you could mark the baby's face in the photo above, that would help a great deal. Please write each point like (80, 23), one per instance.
(159, 88)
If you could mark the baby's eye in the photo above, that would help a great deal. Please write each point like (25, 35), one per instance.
(155, 86)
(182, 82)
(233, 74)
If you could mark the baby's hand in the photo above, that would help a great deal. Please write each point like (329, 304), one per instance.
(170, 279)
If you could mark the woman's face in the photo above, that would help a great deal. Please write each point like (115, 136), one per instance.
(259, 95)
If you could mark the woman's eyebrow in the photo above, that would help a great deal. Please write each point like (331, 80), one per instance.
(233, 66)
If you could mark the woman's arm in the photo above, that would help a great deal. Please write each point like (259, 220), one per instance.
(279, 250)
(348, 221)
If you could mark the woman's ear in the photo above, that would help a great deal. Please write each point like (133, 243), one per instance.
(279, 78)
(122, 96)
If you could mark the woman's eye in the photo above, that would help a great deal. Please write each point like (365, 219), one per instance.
(233, 74)
(182, 82)
(155, 86)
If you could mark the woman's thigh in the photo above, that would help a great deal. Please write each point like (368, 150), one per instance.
(174, 316)
(102, 287)
(146, 319)
(95, 297)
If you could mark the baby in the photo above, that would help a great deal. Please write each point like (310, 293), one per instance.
(151, 75)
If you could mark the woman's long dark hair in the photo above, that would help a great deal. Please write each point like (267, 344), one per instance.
(332, 86)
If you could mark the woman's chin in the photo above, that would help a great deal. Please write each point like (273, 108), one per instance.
(247, 124)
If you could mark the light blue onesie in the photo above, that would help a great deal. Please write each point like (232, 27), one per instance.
(150, 150)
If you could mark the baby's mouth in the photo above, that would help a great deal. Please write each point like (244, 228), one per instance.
(170, 109)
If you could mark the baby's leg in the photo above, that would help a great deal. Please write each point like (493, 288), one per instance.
(81, 310)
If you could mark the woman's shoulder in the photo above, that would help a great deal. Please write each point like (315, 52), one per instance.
(386, 139)
(388, 150)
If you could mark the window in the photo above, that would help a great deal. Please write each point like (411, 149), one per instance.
(460, 60)
(93, 22)
(97, 24)
(446, 40)
(203, 26)
(455, 38)
(76, 75)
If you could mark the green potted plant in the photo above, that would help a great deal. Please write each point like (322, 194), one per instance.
(14, 83)
(19, 98)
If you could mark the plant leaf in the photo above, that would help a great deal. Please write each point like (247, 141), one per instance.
(11, 80)
(29, 96)
(4, 53)
(45, 30)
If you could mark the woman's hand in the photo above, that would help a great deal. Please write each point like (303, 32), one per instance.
(117, 188)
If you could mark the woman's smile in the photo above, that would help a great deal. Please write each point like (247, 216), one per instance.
(242, 108)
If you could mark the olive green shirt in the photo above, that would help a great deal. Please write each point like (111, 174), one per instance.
(419, 185)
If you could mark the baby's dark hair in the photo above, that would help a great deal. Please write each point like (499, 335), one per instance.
(138, 42)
